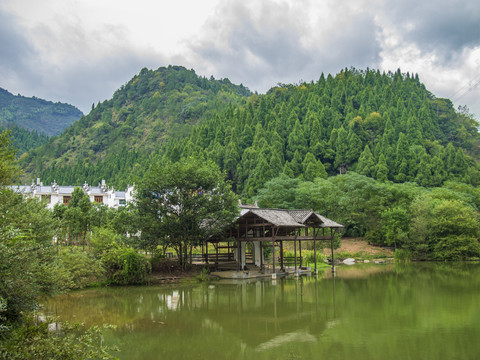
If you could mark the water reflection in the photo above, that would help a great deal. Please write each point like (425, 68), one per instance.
(370, 311)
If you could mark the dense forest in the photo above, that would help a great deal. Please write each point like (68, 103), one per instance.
(36, 114)
(24, 140)
(387, 126)
(116, 140)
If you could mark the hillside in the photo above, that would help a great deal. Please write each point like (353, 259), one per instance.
(24, 140)
(36, 114)
(120, 135)
(383, 125)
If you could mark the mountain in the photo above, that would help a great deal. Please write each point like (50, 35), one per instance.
(384, 125)
(115, 141)
(36, 114)
(24, 140)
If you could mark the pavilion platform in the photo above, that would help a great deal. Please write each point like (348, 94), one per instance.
(257, 273)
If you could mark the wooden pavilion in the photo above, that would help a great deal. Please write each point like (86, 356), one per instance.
(257, 229)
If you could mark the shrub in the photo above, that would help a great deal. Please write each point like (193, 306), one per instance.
(402, 255)
(81, 268)
(32, 340)
(309, 256)
(125, 266)
(103, 239)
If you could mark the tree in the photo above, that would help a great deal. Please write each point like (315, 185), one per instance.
(313, 168)
(186, 202)
(382, 169)
(77, 218)
(455, 231)
(279, 192)
(27, 261)
(8, 165)
(395, 226)
(366, 163)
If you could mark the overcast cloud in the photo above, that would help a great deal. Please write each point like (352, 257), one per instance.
(80, 52)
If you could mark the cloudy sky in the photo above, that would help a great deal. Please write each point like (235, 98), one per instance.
(81, 51)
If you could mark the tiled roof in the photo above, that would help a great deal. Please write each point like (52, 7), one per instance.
(289, 218)
(277, 217)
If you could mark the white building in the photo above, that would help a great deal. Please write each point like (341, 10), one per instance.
(57, 194)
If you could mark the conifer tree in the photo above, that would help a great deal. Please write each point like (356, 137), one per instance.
(341, 147)
(354, 146)
(366, 163)
(382, 169)
(296, 141)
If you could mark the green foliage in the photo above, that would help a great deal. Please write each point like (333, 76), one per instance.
(184, 203)
(24, 140)
(172, 113)
(30, 269)
(36, 341)
(309, 256)
(278, 193)
(402, 255)
(125, 266)
(438, 223)
(81, 269)
(454, 231)
(395, 226)
(119, 135)
(8, 166)
(102, 240)
(36, 114)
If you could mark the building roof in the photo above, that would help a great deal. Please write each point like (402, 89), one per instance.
(289, 218)
(277, 217)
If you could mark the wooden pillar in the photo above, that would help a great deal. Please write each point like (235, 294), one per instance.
(239, 255)
(206, 252)
(300, 247)
(281, 255)
(332, 233)
(261, 255)
(315, 247)
(295, 252)
(273, 250)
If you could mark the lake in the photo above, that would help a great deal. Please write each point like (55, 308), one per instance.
(367, 311)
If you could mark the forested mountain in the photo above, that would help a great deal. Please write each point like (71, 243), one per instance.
(24, 140)
(387, 126)
(36, 114)
(117, 139)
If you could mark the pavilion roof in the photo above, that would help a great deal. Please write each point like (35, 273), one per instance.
(289, 218)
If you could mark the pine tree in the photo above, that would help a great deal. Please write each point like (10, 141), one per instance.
(354, 146)
(382, 169)
(296, 141)
(341, 147)
(366, 163)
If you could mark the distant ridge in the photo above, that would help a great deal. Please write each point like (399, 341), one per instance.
(32, 113)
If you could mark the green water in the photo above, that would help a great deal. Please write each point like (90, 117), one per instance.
(401, 311)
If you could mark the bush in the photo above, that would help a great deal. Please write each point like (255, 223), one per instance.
(103, 239)
(81, 269)
(32, 340)
(402, 255)
(309, 256)
(125, 266)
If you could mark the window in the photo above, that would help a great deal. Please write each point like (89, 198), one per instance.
(122, 202)
(47, 198)
(66, 200)
(98, 199)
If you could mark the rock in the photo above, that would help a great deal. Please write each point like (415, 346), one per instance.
(366, 261)
(349, 261)
(380, 261)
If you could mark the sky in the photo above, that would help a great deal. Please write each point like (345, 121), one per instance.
(81, 51)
